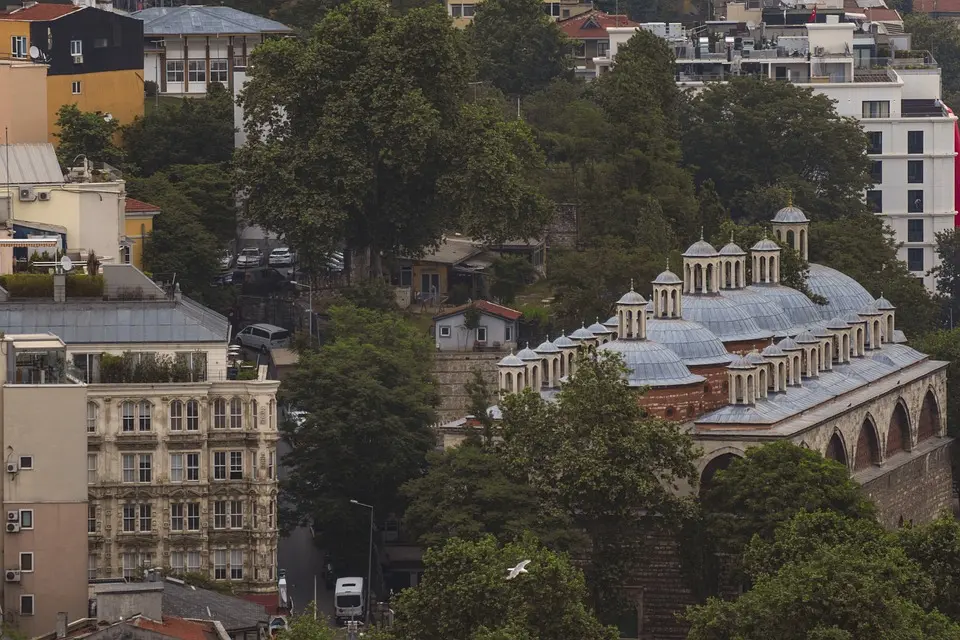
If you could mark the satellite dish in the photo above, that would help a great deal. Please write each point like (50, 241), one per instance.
(66, 263)
(34, 52)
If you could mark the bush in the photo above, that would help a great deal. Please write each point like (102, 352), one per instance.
(150, 368)
(28, 285)
(84, 286)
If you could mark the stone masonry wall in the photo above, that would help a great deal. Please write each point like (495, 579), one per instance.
(454, 371)
(917, 490)
(563, 232)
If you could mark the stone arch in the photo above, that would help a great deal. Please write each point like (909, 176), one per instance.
(763, 269)
(738, 389)
(782, 375)
(710, 283)
(674, 303)
(697, 278)
(738, 274)
(727, 275)
(890, 327)
(846, 346)
(898, 433)
(779, 234)
(929, 424)
(836, 449)
(796, 369)
(791, 238)
(535, 378)
(762, 381)
(508, 381)
(663, 303)
(868, 446)
(557, 365)
(722, 460)
(521, 381)
(570, 364)
(803, 243)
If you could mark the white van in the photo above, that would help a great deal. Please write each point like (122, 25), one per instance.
(348, 599)
(263, 337)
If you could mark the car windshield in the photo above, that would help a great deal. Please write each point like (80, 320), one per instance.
(279, 252)
(250, 252)
(348, 601)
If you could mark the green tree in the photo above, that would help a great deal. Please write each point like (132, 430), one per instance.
(85, 133)
(517, 47)
(509, 274)
(194, 131)
(597, 458)
(750, 134)
(307, 626)
(359, 135)
(947, 273)
(936, 548)
(945, 345)
(941, 39)
(713, 214)
(464, 594)
(210, 188)
(370, 398)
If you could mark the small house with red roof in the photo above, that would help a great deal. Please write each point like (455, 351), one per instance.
(589, 31)
(138, 224)
(477, 326)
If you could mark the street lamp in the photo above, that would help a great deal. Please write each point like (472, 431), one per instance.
(366, 611)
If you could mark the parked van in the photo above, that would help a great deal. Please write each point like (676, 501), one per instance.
(263, 337)
(348, 599)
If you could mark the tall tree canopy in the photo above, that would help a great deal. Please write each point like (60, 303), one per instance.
(751, 134)
(85, 133)
(464, 594)
(517, 47)
(369, 395)
(359, 135)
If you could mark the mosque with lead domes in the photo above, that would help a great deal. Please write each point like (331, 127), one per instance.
(743, 363)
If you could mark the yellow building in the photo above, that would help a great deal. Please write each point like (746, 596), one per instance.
(138, 223)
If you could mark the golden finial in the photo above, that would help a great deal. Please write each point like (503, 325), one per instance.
(789, 197)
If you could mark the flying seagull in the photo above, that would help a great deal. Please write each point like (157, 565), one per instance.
(513, 572)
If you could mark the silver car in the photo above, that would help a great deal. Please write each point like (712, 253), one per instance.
(280, 257)
(250, 257)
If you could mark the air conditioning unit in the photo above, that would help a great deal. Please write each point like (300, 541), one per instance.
(43, 196)
(26, 194)
(78, 59)
(12, 575)
(12, 467)
(13, 516)
(13, 527)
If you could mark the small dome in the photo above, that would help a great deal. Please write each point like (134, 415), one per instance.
(727, 319)
(799, 308)
(563, 342)
(852, 317)
(766, 244)
(598, 329)
(731, 249)
(821, 332)
(755, 358)
(772, 351)
(632, 297)
(842, 292)
(650, 364)
(668, 277)
(787, 344)
(700, 249)
(582, 334)
(741, 363)
(838, 324)
(511, 361)
(547, 347)
(611, 323)
(767, 313)
(790, 215)
(806, 337)
(527, 354)
(884, 305)
(694, 343)
(869, 309)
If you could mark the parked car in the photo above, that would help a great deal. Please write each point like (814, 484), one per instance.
(226, 259)
(335, 262)
(250, 257)
(263, 337)
(280, 257)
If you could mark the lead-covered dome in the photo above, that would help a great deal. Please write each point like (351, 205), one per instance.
(791, 215)
(732, 249)
(842, 292)
(700, 249)
(650, 364)
(668, 277)
(768, 314)
(694, 343)
(727, 320)
(799, 308)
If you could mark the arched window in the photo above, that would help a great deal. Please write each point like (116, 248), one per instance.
(219, 413)
(193, 415)
(898, 433)
(674, 306)
(236, 413)
(720, 463)
(763, 268)
(791, 239)
(868, 446)
(670, 412)
(176, 415)
(254, 417)
(508, 382)
(929, 424)
(761, 379)
(697, 278)
(144, 417)
(93, 416)
(535, 378)
(128, 412)
(803, 242)
(738, 389)
(710, 278)
(836, 450)
(727, 275)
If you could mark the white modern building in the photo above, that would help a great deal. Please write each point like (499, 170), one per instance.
(897, 98)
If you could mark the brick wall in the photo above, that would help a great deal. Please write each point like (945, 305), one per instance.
(717, 380)
(674, 403)
(743, 347)
(915, 490)
(454, 371)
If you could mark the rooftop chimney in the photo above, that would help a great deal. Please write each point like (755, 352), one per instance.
(62, 624)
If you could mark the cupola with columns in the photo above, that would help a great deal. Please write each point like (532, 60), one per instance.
(825, 336)
(701, 268)
(779, 364)
(888, 311)
(765, 257)
(743, 381)
(733, 266)
(840, 330)
(791, 227)
(568, 350)
(550, 355)
(809, 354)
(632, 316)
(533, 376)
(792, 349)
(858, 333)
(667, 295)
(602, 333)
(583, 337)
(874, 319)
(511, 372)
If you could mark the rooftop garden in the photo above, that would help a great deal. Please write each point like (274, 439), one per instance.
(40, 285)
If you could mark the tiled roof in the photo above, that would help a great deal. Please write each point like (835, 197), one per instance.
(201, 20)
(485, 307)
(269, 601)
(936, 6)
(174, 627)
(593, 25)
(233, 613)
(41, 12)
(30, 163)
(132, 205)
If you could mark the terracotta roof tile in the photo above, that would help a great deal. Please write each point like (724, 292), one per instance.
(180, 628)
(936, 6)
(133, 205)
(484, 306)
(593, 25)
(269, 601)
(40, 12)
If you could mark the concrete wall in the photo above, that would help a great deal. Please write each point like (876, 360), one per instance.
(115, 602)
(454, 371)
(462, 339)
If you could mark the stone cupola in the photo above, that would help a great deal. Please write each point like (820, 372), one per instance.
(792, 349)
(840, 330)
(874, 319)
(743, 378)
(701, 268)
(791, 227)
(733, 266)
(667, 295)
(511, 374)
(889, 317)
(600, 332)
(550, 355)
(765, 256)
(568, 349)
(779, 362)
(631, 316)
(534, 367)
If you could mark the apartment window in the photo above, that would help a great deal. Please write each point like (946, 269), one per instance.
(174, 70)
(177, 561)
(132, 562)
(874, 142)
(236, 564)
(27, 604)
(603, 48)
(26, 462)
(26, 518)
(875, 200)
(129, 518)
(254, 414)
(481, 334)
(129, 466)
(219, 413)
(220, 514)
(193, 467)
(75, 87)
(193, 561)
(219, 465)
(876, 171)
(236, 413)
(146, 518)
(915, 171)
(914, 230)
(193, 516)
(220, 564)
(129, 416)
(462, 10)
(93, 416)
(218, 71)
(253, 465)
(146, 467)
(552, 9)
(176, 516)
(914, 141)
(580, 49)
(91, 518)
(193, 415)
(91, 468)
(176, 467)
(271, 463)
(915, 259)
(197, 70)
(19, 47)
(236, 514)
(143, 413)
(26, 561)
(915, 201)
(176, 415)
(236, 465)
(876, 108)
(92, 566)
(76, 48)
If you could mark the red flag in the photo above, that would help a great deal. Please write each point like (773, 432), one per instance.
(813, 14)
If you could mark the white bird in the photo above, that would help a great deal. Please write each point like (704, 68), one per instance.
(513, 572)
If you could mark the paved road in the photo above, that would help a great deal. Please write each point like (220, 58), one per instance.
(302, 560)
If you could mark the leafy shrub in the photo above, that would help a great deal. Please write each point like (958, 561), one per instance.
(84, 286)
(28, 285)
